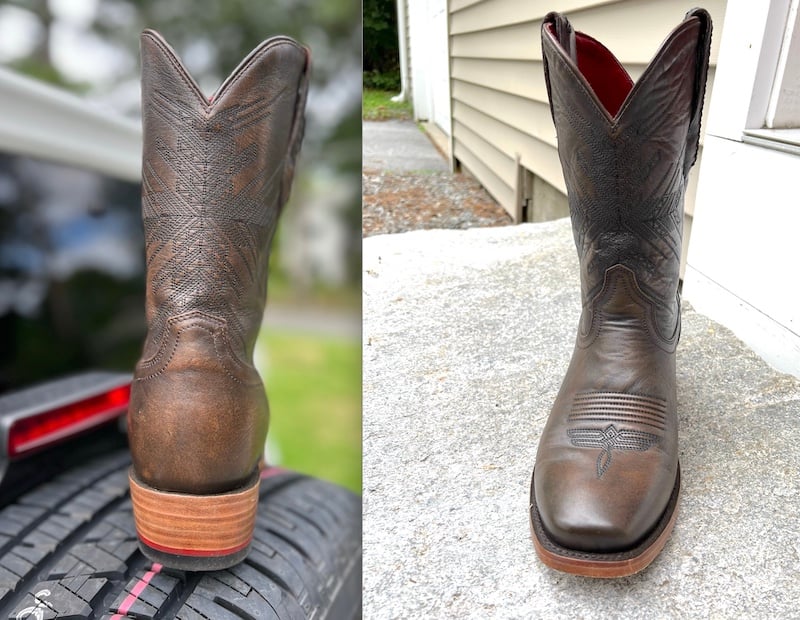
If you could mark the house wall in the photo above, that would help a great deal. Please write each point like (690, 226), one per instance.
(742, 263)
(502, 129)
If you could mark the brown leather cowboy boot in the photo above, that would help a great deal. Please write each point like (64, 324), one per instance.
(215, 174)
(606, 482)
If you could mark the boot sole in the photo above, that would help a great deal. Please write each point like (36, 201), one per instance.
(605, 565)
(194, 532)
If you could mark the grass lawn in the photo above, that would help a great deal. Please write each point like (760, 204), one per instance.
(377, 105)
(314, 389)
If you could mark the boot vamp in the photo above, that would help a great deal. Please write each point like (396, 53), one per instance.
(607, 459)
(600, 498)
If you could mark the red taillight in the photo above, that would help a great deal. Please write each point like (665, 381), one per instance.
(52, 426)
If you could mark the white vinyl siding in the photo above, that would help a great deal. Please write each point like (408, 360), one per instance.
(499, 100)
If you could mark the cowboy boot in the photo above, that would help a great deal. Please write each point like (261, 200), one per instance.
(606, 481)
(215, 174)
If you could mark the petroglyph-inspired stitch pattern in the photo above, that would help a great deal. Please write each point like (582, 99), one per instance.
(626, 175)
(609, 439)
(214, 178)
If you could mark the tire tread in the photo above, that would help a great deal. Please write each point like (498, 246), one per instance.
(68, 549)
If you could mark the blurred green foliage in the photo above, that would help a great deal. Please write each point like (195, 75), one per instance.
(381, 81)
(377, 105)
(381, 48)
(315, 406)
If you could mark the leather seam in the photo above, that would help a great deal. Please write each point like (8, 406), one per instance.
(178, 333)
(626, 420)
(621, 395)
(165, 364)
(215, 336)
(647, 305)
(673, 39)
(589, 95)
(257, 57)
(234, 359)
(297, 132)
(187, 316)
(168, 53)
(207, 105)
(613, 122)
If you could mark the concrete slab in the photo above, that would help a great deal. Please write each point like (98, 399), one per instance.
(398, 145)
(467, 335)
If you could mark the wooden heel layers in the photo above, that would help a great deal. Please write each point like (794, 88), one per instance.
(194, 532)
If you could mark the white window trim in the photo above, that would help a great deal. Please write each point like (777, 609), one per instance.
(773, 120)
(783, 109)
(742, 248)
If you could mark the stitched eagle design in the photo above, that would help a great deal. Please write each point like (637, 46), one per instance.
(608, 439)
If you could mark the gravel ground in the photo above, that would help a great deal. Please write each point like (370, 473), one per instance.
(395, 202)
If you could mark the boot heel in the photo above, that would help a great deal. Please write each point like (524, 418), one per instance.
(194, 532)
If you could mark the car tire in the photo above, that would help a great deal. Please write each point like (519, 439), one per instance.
(68, 549)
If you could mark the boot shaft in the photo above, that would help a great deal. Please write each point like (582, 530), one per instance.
(626, 150)
(216, 173)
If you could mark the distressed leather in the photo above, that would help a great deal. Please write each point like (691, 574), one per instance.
(608, 456)
(215, 174)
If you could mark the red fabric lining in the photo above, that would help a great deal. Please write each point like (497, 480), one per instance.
(610, 82)
(608, 79)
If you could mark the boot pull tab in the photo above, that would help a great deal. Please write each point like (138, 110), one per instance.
(699, 91)
(565, 35)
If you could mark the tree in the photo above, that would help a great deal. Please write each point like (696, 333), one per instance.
(381, 51)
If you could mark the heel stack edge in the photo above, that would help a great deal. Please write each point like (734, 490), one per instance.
(194, 532)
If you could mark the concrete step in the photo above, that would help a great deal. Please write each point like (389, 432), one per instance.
(467, 335)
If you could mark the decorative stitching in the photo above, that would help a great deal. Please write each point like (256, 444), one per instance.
(177, 64)
(621, 419)
(648, 323)
(609, 439)
(227, 85)
(619, 407)
(581, 82)
(220, 357)
(611, 227)
(622, 396)
(193, 314)
(213, 179)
